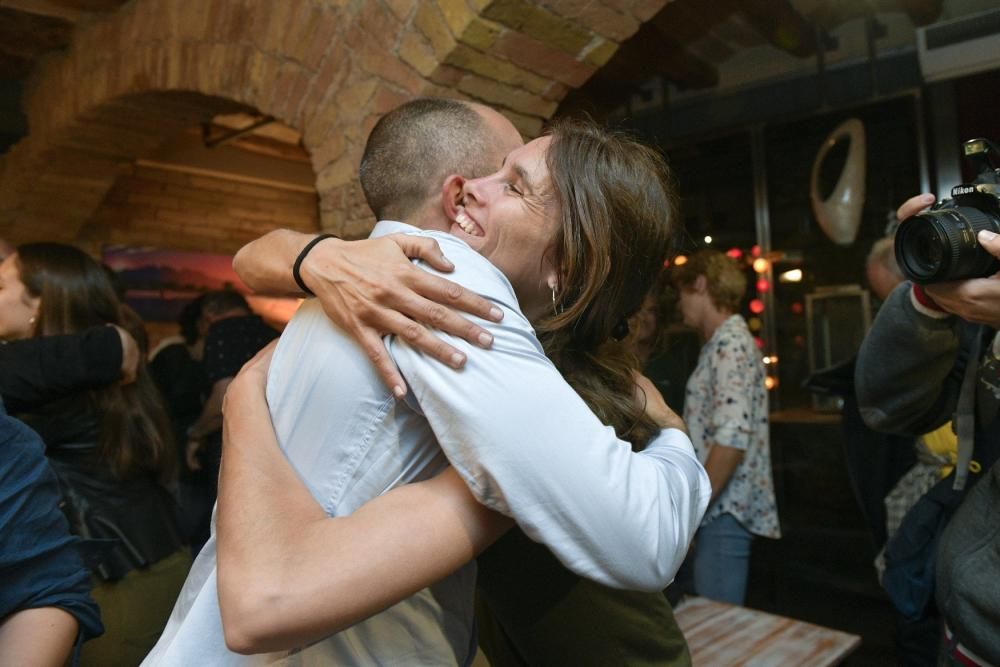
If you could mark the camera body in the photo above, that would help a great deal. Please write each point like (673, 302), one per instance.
(940, 244)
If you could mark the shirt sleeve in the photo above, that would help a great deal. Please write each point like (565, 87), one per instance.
(731, 373)
(910, 367)
(38, 370)
(529, 447)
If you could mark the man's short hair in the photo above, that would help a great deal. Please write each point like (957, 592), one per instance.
(223, 301)
(414, 147)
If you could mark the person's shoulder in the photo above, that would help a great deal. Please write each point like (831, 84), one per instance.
(23, 448)
(472, 270)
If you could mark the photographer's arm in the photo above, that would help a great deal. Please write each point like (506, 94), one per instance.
(909, 367)
(370, 288)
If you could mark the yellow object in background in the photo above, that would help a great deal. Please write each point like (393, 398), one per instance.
(943, 443)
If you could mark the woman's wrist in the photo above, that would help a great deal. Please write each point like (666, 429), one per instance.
(300, 269)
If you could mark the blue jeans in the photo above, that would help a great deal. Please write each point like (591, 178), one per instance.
(722, 560)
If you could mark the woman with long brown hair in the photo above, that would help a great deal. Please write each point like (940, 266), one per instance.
(578, 222)
(111, 449)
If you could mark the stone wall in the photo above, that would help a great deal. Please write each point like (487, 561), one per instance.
(329, 68)
(171, 209)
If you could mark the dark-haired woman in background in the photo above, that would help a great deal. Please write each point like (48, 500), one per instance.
(111, 448)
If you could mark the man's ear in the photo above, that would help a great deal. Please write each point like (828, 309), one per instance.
(451, 195)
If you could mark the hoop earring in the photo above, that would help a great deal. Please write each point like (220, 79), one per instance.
(557, 309)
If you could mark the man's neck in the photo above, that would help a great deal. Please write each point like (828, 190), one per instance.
(429, 217)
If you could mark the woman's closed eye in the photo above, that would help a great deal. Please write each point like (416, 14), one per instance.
(510, 187)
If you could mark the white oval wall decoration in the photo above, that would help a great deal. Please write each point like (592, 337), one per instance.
(839, 215)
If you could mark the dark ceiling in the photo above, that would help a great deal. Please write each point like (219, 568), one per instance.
(684, 45)
(688, 40)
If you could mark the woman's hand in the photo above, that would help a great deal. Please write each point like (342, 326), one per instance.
(371, 288)
(657, 409)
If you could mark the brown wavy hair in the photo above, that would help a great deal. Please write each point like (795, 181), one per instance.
(618, 208)
(75, 293)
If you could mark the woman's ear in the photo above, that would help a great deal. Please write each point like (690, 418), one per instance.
(451, 195)
(35, 305)
(700, 284)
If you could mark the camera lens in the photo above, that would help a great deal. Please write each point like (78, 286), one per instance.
(938, 246)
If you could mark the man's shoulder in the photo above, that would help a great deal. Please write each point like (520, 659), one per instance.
(472, 271)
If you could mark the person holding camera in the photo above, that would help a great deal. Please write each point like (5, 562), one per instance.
(933, 354)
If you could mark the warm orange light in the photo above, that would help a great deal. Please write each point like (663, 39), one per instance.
(770, 382)
(680, 260)
(755, 324)
(760, 265)
(756, 306)
(763, 285)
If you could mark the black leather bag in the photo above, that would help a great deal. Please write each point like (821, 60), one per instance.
(125, 524)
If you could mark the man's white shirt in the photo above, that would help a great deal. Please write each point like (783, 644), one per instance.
(520, 437)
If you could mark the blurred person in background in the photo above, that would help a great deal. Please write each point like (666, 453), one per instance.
(110, 447)
(233, 335)
(177, 368)
(726, 411)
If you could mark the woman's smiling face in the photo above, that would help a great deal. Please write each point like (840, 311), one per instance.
(512, 219)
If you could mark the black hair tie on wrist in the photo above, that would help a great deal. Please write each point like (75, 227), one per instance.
(302, 255)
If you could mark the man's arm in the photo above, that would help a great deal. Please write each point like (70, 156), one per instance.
(529, 447)
(370, 288)
(41, 369)
(287, 573)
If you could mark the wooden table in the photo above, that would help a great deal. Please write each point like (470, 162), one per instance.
(723, 635)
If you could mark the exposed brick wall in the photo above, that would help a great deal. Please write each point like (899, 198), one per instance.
(329, 68)
(169, 209)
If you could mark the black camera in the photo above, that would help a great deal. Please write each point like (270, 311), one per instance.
(940, 244)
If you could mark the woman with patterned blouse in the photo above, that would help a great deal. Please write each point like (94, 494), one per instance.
(726, 413)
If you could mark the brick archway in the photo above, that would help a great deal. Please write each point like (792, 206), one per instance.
(329, 68)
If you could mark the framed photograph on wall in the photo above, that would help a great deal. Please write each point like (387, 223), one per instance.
(158, 283)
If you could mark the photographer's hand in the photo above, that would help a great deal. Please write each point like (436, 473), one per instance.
(915, 205)
(975, 300)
